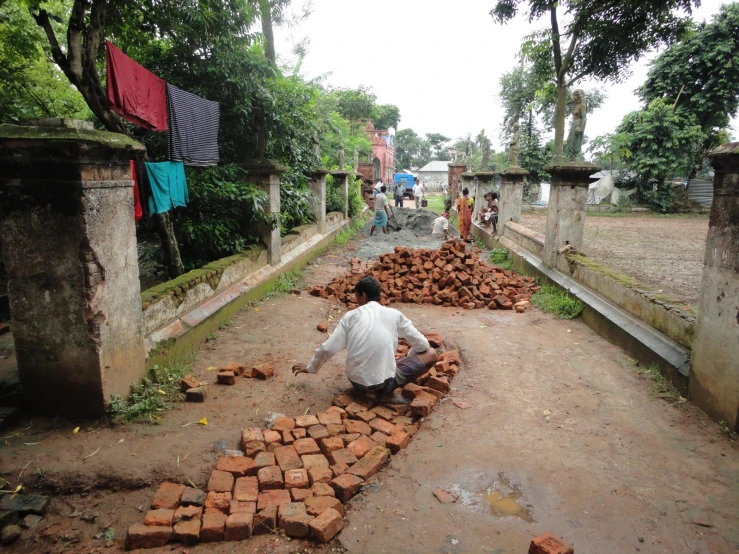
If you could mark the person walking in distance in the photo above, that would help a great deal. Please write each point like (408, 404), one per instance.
(398, 194)
(418, 194)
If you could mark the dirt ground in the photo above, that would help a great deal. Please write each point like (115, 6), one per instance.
(560, 426)
(663, 252)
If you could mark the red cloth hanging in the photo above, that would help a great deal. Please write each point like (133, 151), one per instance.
(134, 92)
(137, 211)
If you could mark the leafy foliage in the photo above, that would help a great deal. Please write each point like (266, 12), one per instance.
(554, 300)
(501, 258)
(386, 116)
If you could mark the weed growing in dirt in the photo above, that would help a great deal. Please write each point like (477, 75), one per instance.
(284, 284)
(501, 258)
(558, 302)
(726, 430)
(661, 387)
(150, 398)
(348, 234)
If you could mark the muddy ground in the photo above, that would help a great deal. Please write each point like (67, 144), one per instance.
(663, 252)
(559, 423)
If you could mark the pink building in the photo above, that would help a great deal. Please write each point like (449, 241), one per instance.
(383, 154)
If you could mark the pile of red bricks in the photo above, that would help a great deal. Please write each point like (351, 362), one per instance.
(295, 476)
(449, 276)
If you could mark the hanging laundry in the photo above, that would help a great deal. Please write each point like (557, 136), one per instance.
(134, 92)
(137, 212)
(193, 128)
(168, 186)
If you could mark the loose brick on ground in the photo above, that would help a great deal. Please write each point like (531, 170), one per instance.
(346, 486)
(317, 432)
(197, 394)
(354, 409)
(379, 438)
(318, 504)
(434, 339)
(384, 413)
(263, 459)
(272, 498)
(252, 434)
(213, 526)
(329, 418)
(349, 437)
(336, 410)
(142, 536)
(187, 532)
(422, 404)
(226, 378)
(188, 382)
(271, 436)
(296, 479)
(287, 458)
(450, 356)
(246, 489)
(382, 426)
(327, 525)
(314, 460)
(159, 518)
(299, 433)
(300, 495)
(265, 521)
(220, 481)
(444, 497)
(320, 475)
(218, 502)
(236, 367)
(365, 416)
(343, 456)
(263, 371)
(330, 444)
(549, 543)
(252, 448)
(438, 383)
(237, 506)
(361, 446)
(411, 390)
(306, 446)
(371, 463)
(322, 327)
(342, 400)
(354, 426)
(239, 526)
(235, 465)
(270, 478)
(284, 424)
(186, 513)
(305, 421)
(287, 438)
(271, 447)
(322, 489)
(167, 496)
(398, 441)
(294, 520)
(335, 430)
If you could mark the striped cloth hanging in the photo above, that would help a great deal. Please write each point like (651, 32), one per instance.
(193, 128)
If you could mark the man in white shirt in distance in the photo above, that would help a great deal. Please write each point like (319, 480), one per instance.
(417, 194)
(370, 335)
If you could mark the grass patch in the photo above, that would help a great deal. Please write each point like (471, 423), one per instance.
(284, 284)
(152, 397)
(435, 204)
(501, 258)
(555, 301)
(348, 234)
(661, 387)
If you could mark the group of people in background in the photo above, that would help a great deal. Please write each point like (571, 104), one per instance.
(465, 206)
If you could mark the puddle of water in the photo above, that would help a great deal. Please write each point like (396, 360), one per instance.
(503, 506)
(501, 498)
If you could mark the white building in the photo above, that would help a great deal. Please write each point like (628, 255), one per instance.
(435, 173)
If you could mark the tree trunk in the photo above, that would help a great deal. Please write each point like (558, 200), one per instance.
(265, 12)
(559, 121)
(169, 244)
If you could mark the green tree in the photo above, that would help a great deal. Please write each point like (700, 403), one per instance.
(386, 116)
(355, 104)
(602, 38)
(700, 75)
(411, 150)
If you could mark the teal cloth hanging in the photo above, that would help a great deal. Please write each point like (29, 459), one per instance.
(168, 186)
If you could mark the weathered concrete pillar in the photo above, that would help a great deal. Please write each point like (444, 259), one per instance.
(567, 204)
(714, 379)
(484, 184)
(511, 196)
(266, 174)
(341, 180)
(317, 184)
(455, 170)
(69, 241)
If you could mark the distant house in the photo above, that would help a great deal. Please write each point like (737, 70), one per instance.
(434, 173)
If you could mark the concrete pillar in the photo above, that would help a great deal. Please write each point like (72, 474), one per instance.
(69, 241)
(266, 174)
(317, 184)
(567, 203)
(511, 196)
(341, 180)
(714, 378)
(484, 184)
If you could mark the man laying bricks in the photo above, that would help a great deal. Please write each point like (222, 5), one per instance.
(370, 334)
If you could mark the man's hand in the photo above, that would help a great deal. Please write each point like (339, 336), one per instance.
(300, 368)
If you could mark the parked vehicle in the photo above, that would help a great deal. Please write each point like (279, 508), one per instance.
(408, 181)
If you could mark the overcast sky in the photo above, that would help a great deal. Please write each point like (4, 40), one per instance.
(439, 63)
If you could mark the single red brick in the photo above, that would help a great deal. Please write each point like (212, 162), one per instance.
(336, 410)
(213, 526)
(187, 531)
(167, 496)
(226, 378)
(192, 497)
(318, 504)
(423, 404)
(287, 458)
(451, 356)
(322, 327)
(251, 434)
(143, 536)
(379, 438)
(549, 543)
(294, 520)
(236, 367)
(317, 432)
(273, 446)
(314, 460)
(335, 430)
(235, 465)
(345, 486)
(284, 424)
(438, 383)
(306, 446)
(299, 433)
(355, 408)
(272, 498)
(159, 518)
(342, 400)
(343, 456)
(411, 390)
(287, 438)
(305, 421)
(329, 418)
(433, 392)
(188, 382)
(246, 489)
(252, 448)
(371, 463)
(365, 416)
(398, 441)
(349, 437)
(382, 426)
(353, 426)
(186, 513)
(361, 446)
(434, 339)
(271, 436)
(218, 502)
(338, 469)
(265, 520)
(330, 444)
(220, 481)
(238, 506)
(445, 497)
(296, 479)
(263, 459)
(322, 489)
(327, 525)
(270, 477)
(300, 495)
(320, 475)
(384, 413)
(239, 526)
(263, 371)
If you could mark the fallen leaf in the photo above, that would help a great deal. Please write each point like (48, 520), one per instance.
(203, 421)
(547, 412)
(160, 391)
(212, 368)
(75, 430)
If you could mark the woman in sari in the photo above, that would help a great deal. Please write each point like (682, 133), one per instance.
(464, 212)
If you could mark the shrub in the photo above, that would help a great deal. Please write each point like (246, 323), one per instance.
(558, 302)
